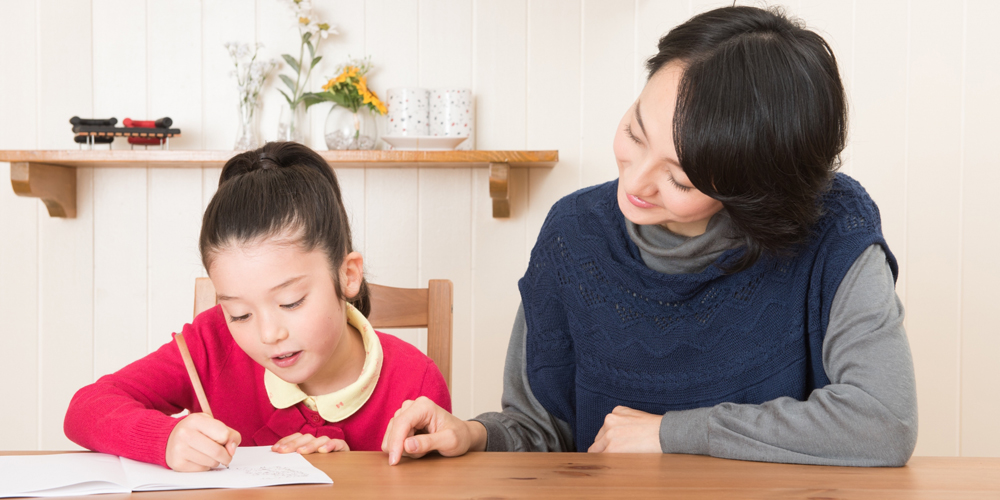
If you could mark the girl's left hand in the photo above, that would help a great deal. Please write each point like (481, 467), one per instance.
(307, 443)
(628, 431)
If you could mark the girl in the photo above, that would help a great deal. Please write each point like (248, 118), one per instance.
(728, 295)
(287, 358)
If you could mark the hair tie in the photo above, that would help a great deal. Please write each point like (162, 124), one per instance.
(264, 157)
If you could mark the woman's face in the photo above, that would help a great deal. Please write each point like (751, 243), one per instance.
(652, 186)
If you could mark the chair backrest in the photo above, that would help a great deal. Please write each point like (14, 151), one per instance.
(429, 307)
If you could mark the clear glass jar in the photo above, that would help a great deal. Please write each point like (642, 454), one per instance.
(293, 125)
(248, 134)
(349, 130)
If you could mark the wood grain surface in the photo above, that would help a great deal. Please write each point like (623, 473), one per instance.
(126, 158)
(366, 475)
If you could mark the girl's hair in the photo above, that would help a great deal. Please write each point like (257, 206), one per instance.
(283, 188)
(760, 121)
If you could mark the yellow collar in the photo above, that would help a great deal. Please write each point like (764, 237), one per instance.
(341, 404)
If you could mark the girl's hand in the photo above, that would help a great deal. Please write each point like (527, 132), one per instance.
(422, 426)
(306, 444)
(200, 442)
(628, 431)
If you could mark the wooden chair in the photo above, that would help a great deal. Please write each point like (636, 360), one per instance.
(429, 307)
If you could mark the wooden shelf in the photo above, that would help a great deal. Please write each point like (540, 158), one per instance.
(49, 175)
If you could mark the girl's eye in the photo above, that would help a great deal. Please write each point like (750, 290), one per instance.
(678, 186)
(293, 305)
(628, 131)
(238, 319)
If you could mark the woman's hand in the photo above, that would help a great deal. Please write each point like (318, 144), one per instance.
(200, 442)
(628, 431)
(306, 444)
(422, 426)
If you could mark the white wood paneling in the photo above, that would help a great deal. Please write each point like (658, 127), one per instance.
(608, 75)
(174, 195)
(980, 347)
(445, 195)
(498, 245)
(65, 254)
(224, 21)
(878, 131)
(933, 219)
(19, 225)
(120, 244)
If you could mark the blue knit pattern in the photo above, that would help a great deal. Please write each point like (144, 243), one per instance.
(605, 330)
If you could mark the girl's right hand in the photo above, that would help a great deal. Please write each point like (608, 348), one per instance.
(199, 443)
(422, 426)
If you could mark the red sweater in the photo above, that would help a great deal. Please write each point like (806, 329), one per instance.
(127, 413)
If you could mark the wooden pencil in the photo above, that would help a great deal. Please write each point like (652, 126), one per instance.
(193, 374)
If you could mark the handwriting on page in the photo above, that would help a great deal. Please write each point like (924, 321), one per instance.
(271, 472)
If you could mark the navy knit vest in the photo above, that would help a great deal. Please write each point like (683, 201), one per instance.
(605, 330)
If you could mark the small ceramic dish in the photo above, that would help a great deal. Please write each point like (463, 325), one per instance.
(424, 142)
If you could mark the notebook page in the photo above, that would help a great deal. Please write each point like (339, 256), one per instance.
(62, 474)
(252, 467)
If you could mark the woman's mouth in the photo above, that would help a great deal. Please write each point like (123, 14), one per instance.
(287, 359)
(638, 202)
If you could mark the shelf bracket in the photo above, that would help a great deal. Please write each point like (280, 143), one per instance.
(499, 174)
(54, 184)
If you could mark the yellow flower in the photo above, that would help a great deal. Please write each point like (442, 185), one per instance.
(303, 20)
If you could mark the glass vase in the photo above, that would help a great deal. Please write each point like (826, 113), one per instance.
(248, 133)
(346, 129)
(293, 124)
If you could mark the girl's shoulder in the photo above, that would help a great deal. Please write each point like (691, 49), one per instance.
(399, 353)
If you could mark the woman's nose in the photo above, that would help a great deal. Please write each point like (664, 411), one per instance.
(639, 179)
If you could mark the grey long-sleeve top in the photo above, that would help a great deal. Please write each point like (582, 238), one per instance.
(866, 416)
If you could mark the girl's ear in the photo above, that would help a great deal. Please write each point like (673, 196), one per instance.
(351, 274)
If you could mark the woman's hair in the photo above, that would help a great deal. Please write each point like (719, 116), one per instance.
(760, 121)
(281, 189)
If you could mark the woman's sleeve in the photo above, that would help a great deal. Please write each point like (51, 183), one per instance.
(866, 416)
(127, 413)
(523, 424)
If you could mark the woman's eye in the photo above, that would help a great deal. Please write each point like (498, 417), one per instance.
(293, 305)
(628, 131)
(678, 186)
(237, 319)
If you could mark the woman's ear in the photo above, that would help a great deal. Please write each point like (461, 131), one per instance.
(351, 275)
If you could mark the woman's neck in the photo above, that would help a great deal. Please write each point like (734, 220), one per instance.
(342, 369)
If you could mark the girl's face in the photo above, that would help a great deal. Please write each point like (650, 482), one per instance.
(281, 306)
(652, 186)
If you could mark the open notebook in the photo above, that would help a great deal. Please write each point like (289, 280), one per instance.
(69, 474)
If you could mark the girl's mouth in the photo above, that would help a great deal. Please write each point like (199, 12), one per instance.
(638, 202)
(287, 359)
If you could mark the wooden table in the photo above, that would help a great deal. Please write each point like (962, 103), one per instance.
(363, 475)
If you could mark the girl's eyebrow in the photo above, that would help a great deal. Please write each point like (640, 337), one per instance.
(288, 282)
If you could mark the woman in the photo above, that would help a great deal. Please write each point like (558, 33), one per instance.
(728, 295)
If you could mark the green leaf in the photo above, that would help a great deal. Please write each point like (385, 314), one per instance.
(306, 36)
(288, 81)
(312, 50)
(289, 99)
(315, 62)
(292, 62)
(315, 98)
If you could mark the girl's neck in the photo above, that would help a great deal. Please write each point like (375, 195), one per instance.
(342, 369)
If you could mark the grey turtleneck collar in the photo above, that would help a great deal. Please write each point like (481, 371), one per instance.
(669, 253)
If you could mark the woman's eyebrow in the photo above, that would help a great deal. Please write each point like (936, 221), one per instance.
(638, 118)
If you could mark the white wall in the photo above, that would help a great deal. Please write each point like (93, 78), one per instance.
(80, 298)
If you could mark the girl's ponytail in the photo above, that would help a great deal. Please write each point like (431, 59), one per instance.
(363, 300)
(281, 189)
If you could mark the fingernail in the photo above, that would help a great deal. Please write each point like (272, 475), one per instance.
(411, 445)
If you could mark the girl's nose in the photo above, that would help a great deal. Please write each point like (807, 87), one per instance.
(272, 332)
